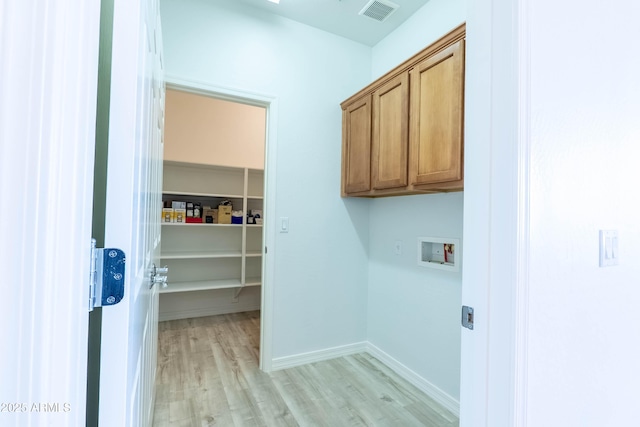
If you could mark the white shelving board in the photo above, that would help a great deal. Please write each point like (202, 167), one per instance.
(201, 255)
(253, 281)
(205, 195)
(197, 224)
(207, 285)
(202, 285)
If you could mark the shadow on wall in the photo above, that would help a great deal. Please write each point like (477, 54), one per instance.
(358, 210)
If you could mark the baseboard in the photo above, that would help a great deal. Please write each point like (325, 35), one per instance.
(409, 375)
(317, 356)
(412, 377)
(210, 311)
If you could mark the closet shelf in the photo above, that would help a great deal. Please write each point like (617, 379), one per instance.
(201, 254)
(206, 285)
(205, 195)
(253, 281)
(199, 224)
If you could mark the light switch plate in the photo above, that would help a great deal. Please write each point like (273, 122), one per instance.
(284, 224)
(609, 253)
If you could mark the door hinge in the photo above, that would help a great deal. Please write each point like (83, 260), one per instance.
(106, 282)
(467, 317)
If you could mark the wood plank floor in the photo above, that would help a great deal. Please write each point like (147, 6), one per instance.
(208, 375)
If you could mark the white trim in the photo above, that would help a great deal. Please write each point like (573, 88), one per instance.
(270, 103)
(220, 92)
(493, 357)
(412, 377)
(318, 355)
(521, 302)
(211, 311)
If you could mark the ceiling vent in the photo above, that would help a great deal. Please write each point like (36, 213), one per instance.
(378, 9)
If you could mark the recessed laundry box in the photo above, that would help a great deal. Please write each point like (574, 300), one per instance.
(439, 252)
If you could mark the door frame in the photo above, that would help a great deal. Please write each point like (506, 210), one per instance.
(270, 104)
(494, 356)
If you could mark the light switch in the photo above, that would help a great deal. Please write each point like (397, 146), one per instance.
(609, 253)
(284, 224)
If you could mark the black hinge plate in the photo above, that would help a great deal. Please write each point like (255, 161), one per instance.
(113, 264)
(106, 283)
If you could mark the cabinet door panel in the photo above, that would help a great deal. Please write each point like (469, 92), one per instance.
(437, 91)
(390, 133)
(357, 147)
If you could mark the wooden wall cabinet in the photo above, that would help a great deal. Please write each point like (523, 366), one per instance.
(356, 151)
(437, 105)
(389, 140)
(403, 134)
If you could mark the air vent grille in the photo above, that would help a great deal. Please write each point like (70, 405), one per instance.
(378, 9)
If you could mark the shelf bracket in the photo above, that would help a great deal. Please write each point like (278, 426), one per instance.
(237, 292)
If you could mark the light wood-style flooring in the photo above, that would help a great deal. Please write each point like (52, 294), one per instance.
(208, 375)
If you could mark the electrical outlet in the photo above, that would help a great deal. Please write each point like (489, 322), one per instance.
(398, 247)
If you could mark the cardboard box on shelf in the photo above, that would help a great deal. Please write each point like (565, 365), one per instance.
(209, 215)
(167, 215)
(224, 214)
(180, 215)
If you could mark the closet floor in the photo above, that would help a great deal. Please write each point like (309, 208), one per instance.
(208, 375)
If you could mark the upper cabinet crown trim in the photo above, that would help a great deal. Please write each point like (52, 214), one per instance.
(448, 39)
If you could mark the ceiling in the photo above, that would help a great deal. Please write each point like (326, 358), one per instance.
(341, 16)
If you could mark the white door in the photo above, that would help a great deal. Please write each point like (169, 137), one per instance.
(48, 86)
(132, 218)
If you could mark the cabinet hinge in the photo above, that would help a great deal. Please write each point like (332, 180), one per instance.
(106, 281)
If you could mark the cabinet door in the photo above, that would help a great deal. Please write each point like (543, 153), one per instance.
(356, 146)
(390, 133)
(437, 91)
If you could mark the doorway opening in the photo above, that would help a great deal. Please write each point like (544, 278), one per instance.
(218, 183)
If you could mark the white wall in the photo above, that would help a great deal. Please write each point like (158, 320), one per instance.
(585, 140)
(414, 312)
(427, 25)
(321, 264)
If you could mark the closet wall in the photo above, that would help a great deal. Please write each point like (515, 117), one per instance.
(200, 129)
(204, 130)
